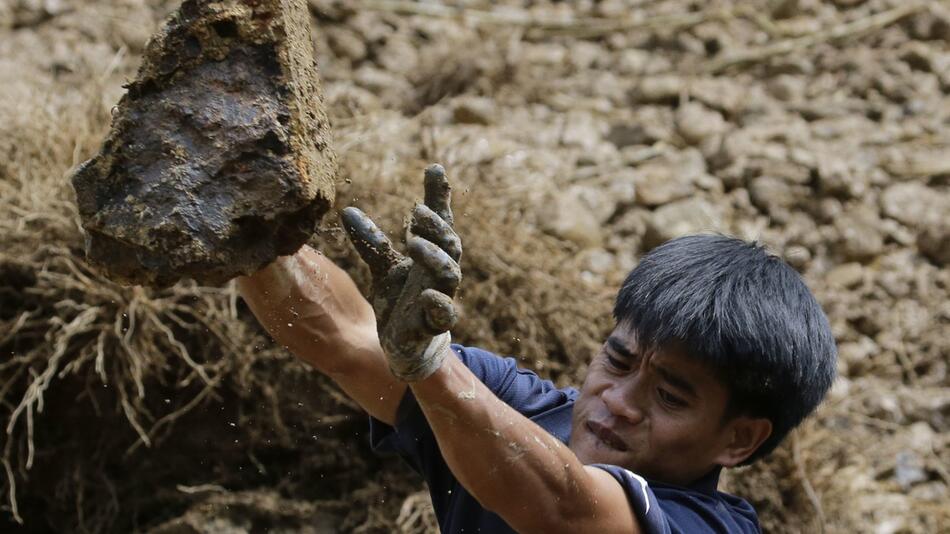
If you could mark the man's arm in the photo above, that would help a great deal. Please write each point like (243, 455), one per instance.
(514, 467)
(313, 308)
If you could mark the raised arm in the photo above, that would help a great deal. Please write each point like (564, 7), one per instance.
(313, 308)
(509, 464)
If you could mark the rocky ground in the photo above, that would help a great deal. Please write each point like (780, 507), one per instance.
(578, 135)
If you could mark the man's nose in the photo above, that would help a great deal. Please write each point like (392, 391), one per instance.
(624, 400)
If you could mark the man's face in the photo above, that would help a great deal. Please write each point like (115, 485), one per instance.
(659, 414)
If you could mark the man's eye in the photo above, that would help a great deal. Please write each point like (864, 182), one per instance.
(670, 399)
(617, 364)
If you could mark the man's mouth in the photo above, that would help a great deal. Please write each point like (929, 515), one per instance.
(606, 436)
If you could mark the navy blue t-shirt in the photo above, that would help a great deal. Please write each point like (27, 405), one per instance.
(659, 508)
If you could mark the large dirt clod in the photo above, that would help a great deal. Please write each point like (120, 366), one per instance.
(218, 158)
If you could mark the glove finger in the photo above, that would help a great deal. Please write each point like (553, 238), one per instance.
(439, 310)
(386, 290)
(371, 243)
(442, 268)
(428, 225)
(438, 192)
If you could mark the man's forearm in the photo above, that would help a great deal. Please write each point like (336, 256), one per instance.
(511, 465)
(313, 308)
(309, 306)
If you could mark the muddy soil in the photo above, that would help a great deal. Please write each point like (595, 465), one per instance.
(578, 136)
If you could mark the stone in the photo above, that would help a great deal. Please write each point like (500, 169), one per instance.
(908, 469)
(346, 43)
(727, 94)
(798, 257)
(7, 16)
(398, 56)
(131, 27)
(582, 130)
(915, 318)
(218, 159)
(568, 215)
(690, 216)
(761, 148)
(659, 90)
(785, 169)
(921, 163)
(860, 237)
(599, 261)
(775, 196)
(847, 3)
(828, 209)
(30, 13)
(632, 223)
(695, 122)
(355, 99)
(620, 188)
(369, 26)
(546, 53)
(669, 178)
(836, 176)
(930, 25)
(918, 56)
(690, 44)
(473, 110)
(648, 125)
(801, 229)
(658, 185)
(381, 82)
(855, 355)
(784, 9)
(631, 61)
(895, 273)
(602, 200)
(623, 135)
(934, 242)
(611, 8)
(602, 154)
(914, 204)
(583, 55)
(934, 492)
(847, 275)
(921, 437)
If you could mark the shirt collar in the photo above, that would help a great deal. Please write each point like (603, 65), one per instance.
(709, 482)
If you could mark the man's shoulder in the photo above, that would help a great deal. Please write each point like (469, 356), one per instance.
(522, 389)
(663, 508)
(701, 511)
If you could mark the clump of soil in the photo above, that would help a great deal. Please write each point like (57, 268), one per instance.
(218, 159)
(577, 137)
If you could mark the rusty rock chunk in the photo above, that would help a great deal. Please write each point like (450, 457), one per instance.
(218, 159)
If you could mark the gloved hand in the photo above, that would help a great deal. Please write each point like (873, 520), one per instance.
(412, 297)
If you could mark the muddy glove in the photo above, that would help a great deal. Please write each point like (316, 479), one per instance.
(412, 296)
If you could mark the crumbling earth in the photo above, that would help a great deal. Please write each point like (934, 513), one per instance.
(578, 136)
(218, 160)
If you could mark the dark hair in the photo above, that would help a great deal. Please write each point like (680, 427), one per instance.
(743, 312)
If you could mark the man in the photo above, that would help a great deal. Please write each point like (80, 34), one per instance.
(719, 350)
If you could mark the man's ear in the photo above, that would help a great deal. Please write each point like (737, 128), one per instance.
(745, 435)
